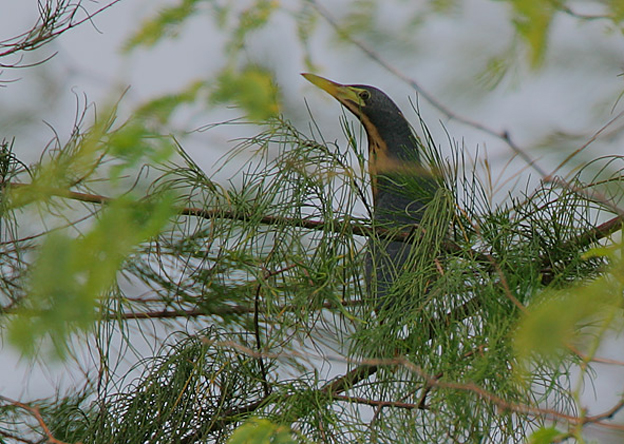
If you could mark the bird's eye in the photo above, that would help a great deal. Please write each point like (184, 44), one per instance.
(364, 95)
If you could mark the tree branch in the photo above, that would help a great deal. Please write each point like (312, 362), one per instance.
(336, 226)
(37, 415)
(375, 403)
(220, 311)
(55, 19)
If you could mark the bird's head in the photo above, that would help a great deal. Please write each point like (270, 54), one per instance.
(398, 179)
(367, 103)
(389, 134)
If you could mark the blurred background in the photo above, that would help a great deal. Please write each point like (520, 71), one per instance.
(505, 82)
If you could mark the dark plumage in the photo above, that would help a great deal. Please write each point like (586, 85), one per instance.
(401, 185)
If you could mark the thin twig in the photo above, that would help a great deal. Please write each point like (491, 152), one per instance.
(224, 310)
(366, 368)
(37, 414)
(58, 22)
(335, 226)
(17, 438)
(376, 403)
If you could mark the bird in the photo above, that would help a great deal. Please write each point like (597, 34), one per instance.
(402, 185)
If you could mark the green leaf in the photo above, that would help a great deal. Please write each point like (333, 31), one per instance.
(71, 275)
(567, 317)
(56, 303)
(494, 72)
(251, 19)
(261, 431)
(532, 19)
(361, 18)
(257, 15)
(166, 24)
(545, 435)
(133, 143)
(163, 107)
(252, 89)
(307, 20)
(616, 9)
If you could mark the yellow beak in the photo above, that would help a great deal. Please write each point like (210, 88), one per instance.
(342, 93)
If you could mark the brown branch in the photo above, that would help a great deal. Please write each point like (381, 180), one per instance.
(581, 241)
(335, 226)
(584, 239)
(361, 372)
(331, 389)
(459, 313)
(600, 232)
(168, 314)
(375, 403)
(364, 369)
(60, 192)
(220, 311)
(341, 384)
(609, 414)
(227, 417)
(349, 380)
(51, 24)
(17, 438)
(509, 406)
(37, 414)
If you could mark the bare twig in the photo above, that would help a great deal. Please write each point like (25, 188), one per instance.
(55, 18)
(16, 438)
(375, 403)
(224, 310)
(34, 411)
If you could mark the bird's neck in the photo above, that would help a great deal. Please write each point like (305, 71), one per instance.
(402, 185)
(393, 150)
(401, 143)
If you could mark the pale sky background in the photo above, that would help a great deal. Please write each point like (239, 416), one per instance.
(575, 92)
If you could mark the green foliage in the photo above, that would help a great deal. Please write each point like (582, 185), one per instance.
(68, 165)
(76, 266)
(257, 252)
(134, 143)
(58, 303)
(532, 19)
(161, 108)
(494, 72)
(261, 431)
(362, 17)
(189, 385)
(166, 24)
(576, 318)
(70, 275)
(544, 435)
(307, 22)
(252, 89)
(616, 8)
(445, 6)
(274, 264)
(103, 148)
(502, 302)
(251, 19)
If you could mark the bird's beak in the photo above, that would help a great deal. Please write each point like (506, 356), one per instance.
(343, 93)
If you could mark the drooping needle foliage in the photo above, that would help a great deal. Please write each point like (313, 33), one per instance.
(257, 286)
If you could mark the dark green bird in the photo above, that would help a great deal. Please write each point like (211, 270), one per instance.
(401, 185)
